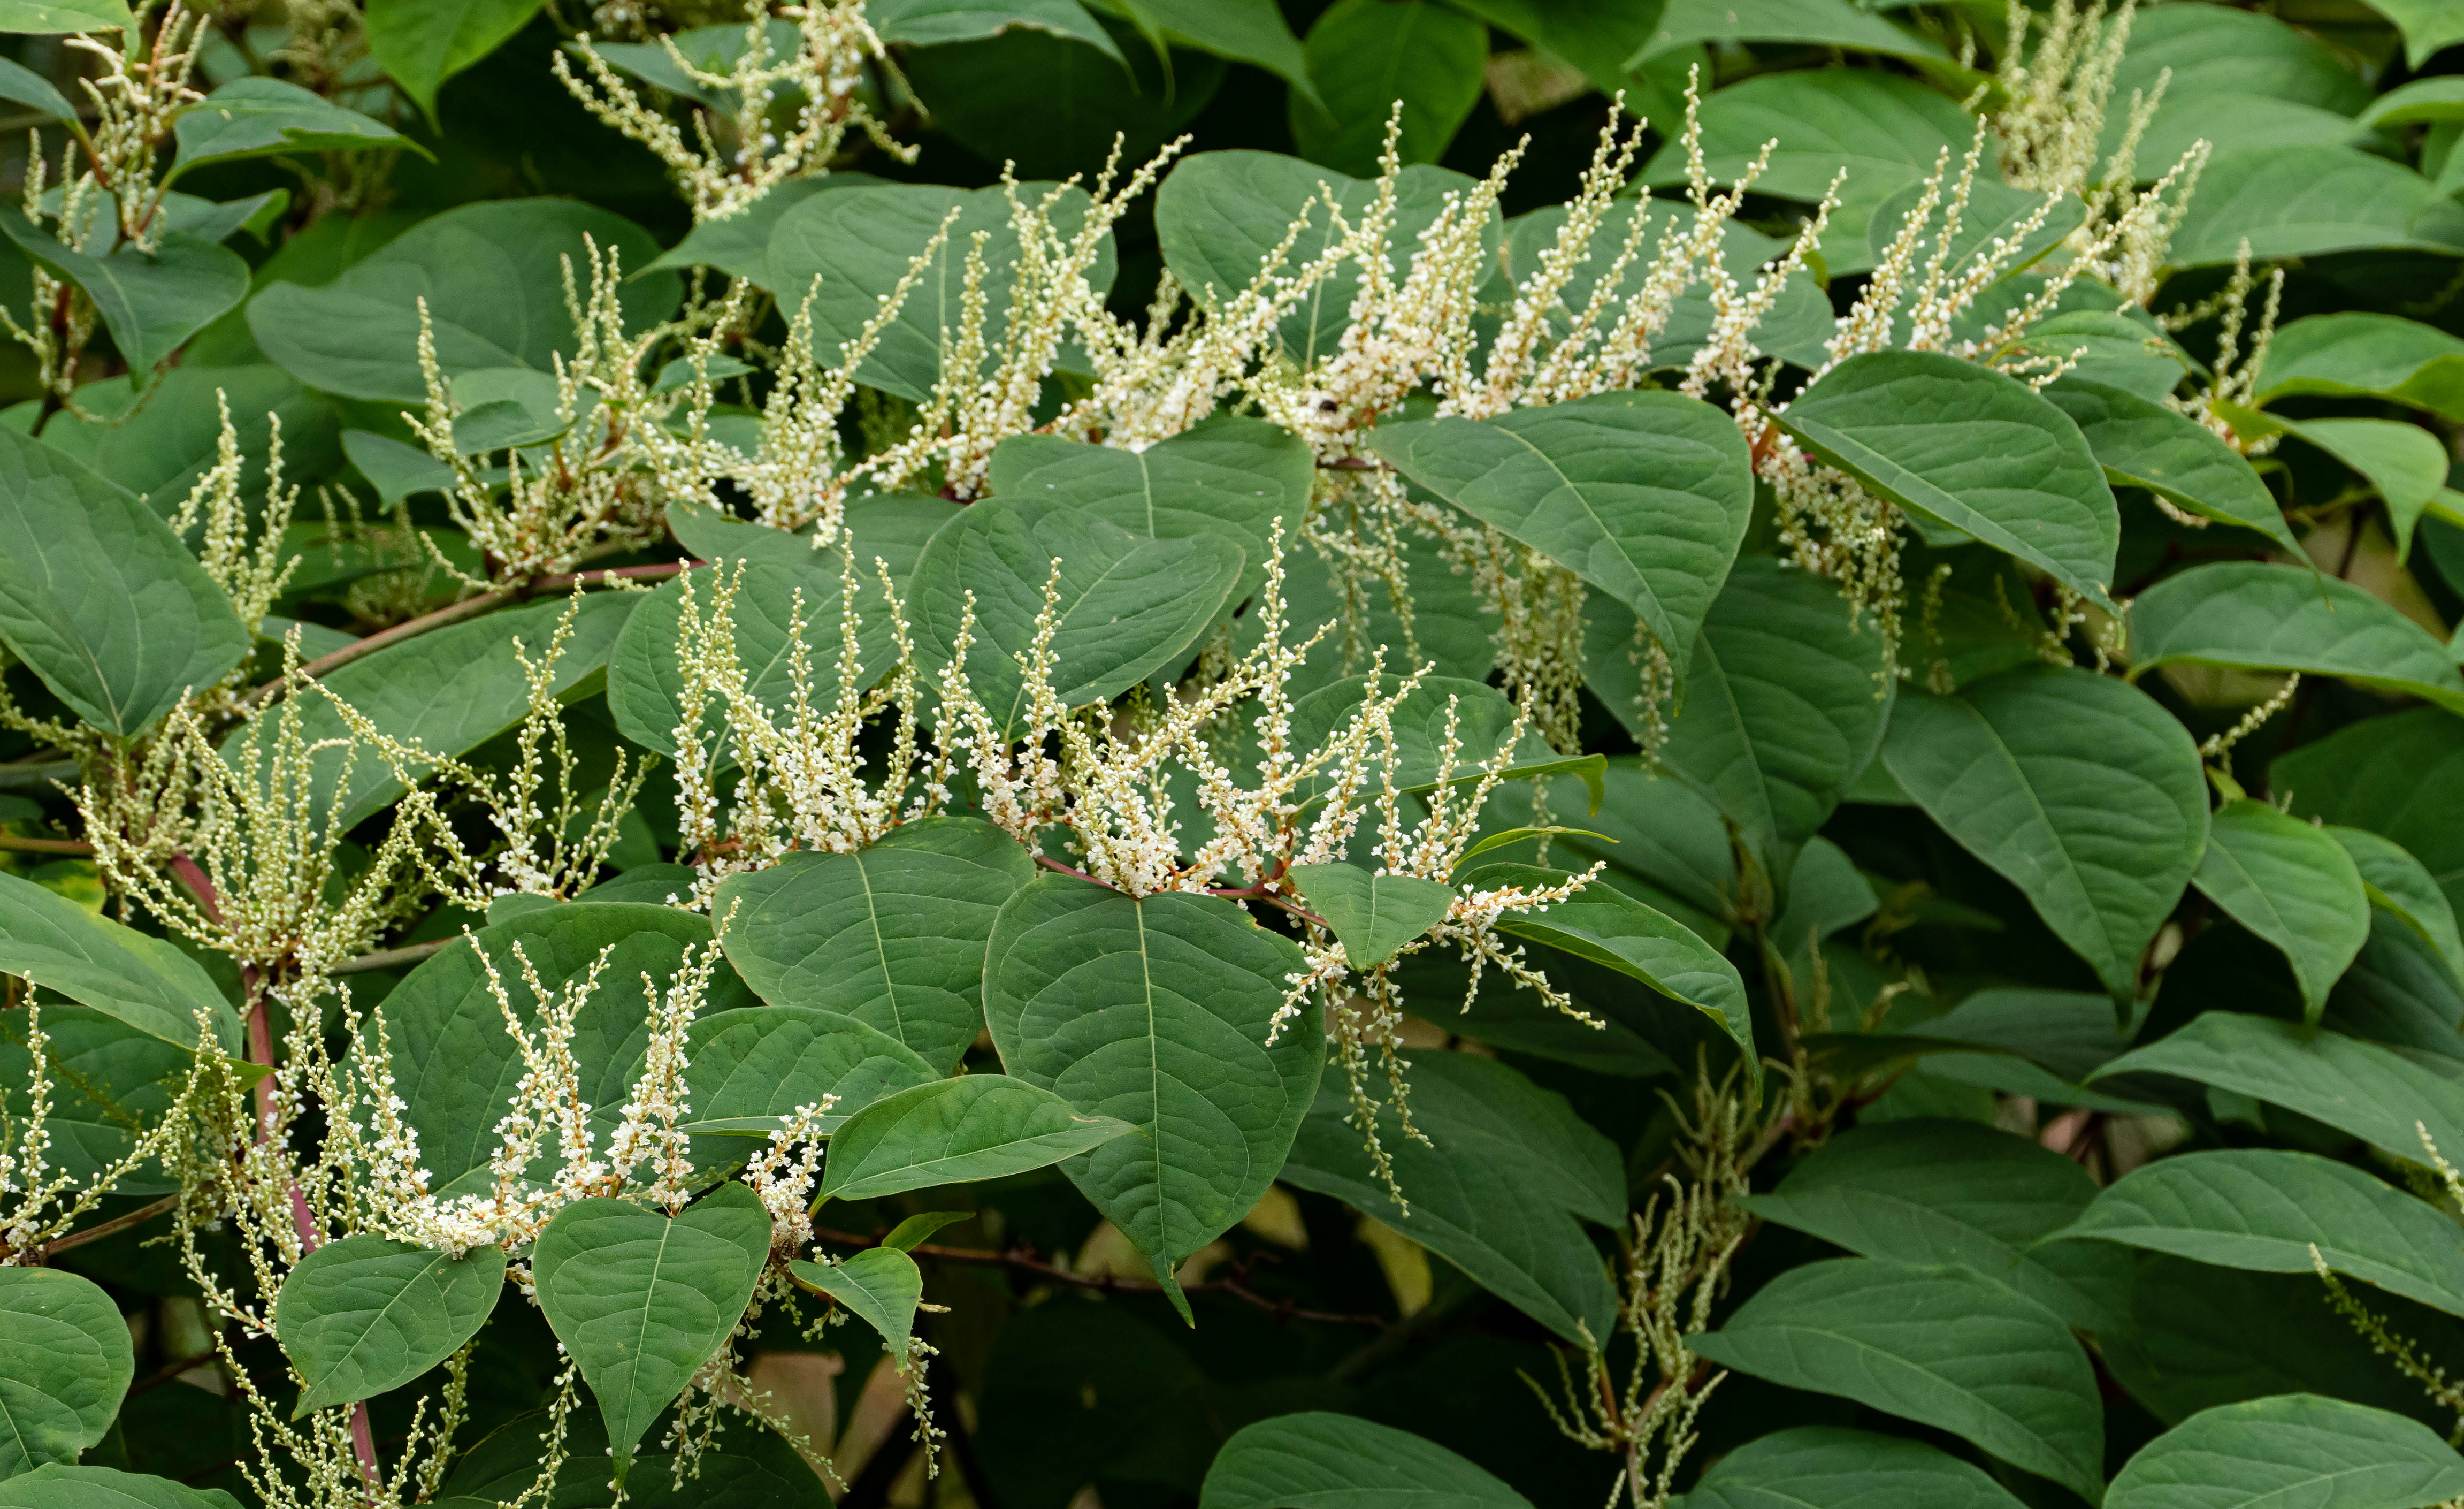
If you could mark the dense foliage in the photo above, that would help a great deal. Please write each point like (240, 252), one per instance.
(1463, 753)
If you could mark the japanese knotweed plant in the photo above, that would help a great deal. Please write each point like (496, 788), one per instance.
(745, 741)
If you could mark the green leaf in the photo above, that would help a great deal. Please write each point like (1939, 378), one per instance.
(2355, 353)
(1372, 914)
(2266, 1209)
(53, 17)
(2215, 49)
(642, 1300)
(57, 1487)
(1822, 23)
(1944, 1347)
(889, 528)
(881, 1285)
(108, 1083)
(1243, 31)
(2113, 347)
(2140, 443)
(1500, 1188)
(2400, 777)
(1885, 130)
(253, 116)
(2081, 791)
(454, 1064)
(1230, 476)
(2399, 882)
(891, 935)
(957, 1131)
(1976, 449)
(1316, 1460)
(1990, 227)
(2293, 1449)
(151, 303)
(1364, 56)
(1784, 705)
(917, 1229)
(65, 1360)
(1609, 927)
(1830, 1467)
(450, 689)
(1127, 607)
(22, 85)
(927, 23)
(493, 278)
(747, 1071)
(2248, 615)
(99, 598)
(2428, 26)
(646, 677)
(144, 981)
(2292, 885)
(422, 43)
(739, 245)
(2405, 464)
(1483, 719)
(363, 1316)
(1934, 1193)
(1219, 216)
(2302, 201)
(1643, 494)
(2371, 1093)
(861, 242)
(1156, 1011)
(161, 446)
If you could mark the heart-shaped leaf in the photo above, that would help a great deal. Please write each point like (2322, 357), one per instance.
(881, 1285)
(642, 1300)
(748, 1070)
(957, 1131)
(1371, 915)
(365, 1315)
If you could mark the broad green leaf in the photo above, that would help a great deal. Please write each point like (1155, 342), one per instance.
(2233, 120)
(2292, 885)
(58, 1487)
(450, 690)
(151, 303)
(1229, 475)
(1596, 37)
(1936, 1193)
(1784, 705)
(739, 245)
(2428, 26)
(99, 598)
(926, 23)
(891, 935)
(1885, 130)
(709, 48)
(2247, 615)
(1364, 56)
(1482, 717)
(1608, 927)
(2359, 353)
(160, 448)
(747, 1071)
(848, 248)
(1156, 1011)
(2374, 1093)
(2293, 1449)
(1975, 450)
(881, 1285)
(2419, 101)
(1642, 495)
(108, 1083)
(364, 1315)
(1943, 1348)
(2213, 48)
(766, 603)
(2302, 201)
(1822, 23)
(1127, 607)
(22, 85)
(2011, 226)
(1243, 30)
(1662, 830)
(1219, 214)
(254, 117)
(880, 529)
(1371, 915)
(53, 17)
(2140, 443)
(2400, 884)
(1830, 1467)
(422, 43)
(1799, 320)
(642, 1300)
(65, 1360)
(917, 1229)
(141, 981)
(1500, 1189)
(1316, 1460)
(2268, 1208)
(454, 1064)
(493, 276)
(957, 1131)
(1435, 988)
(2110, 346)
(2405, 464)
(2400, 777)
(2081, 791)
